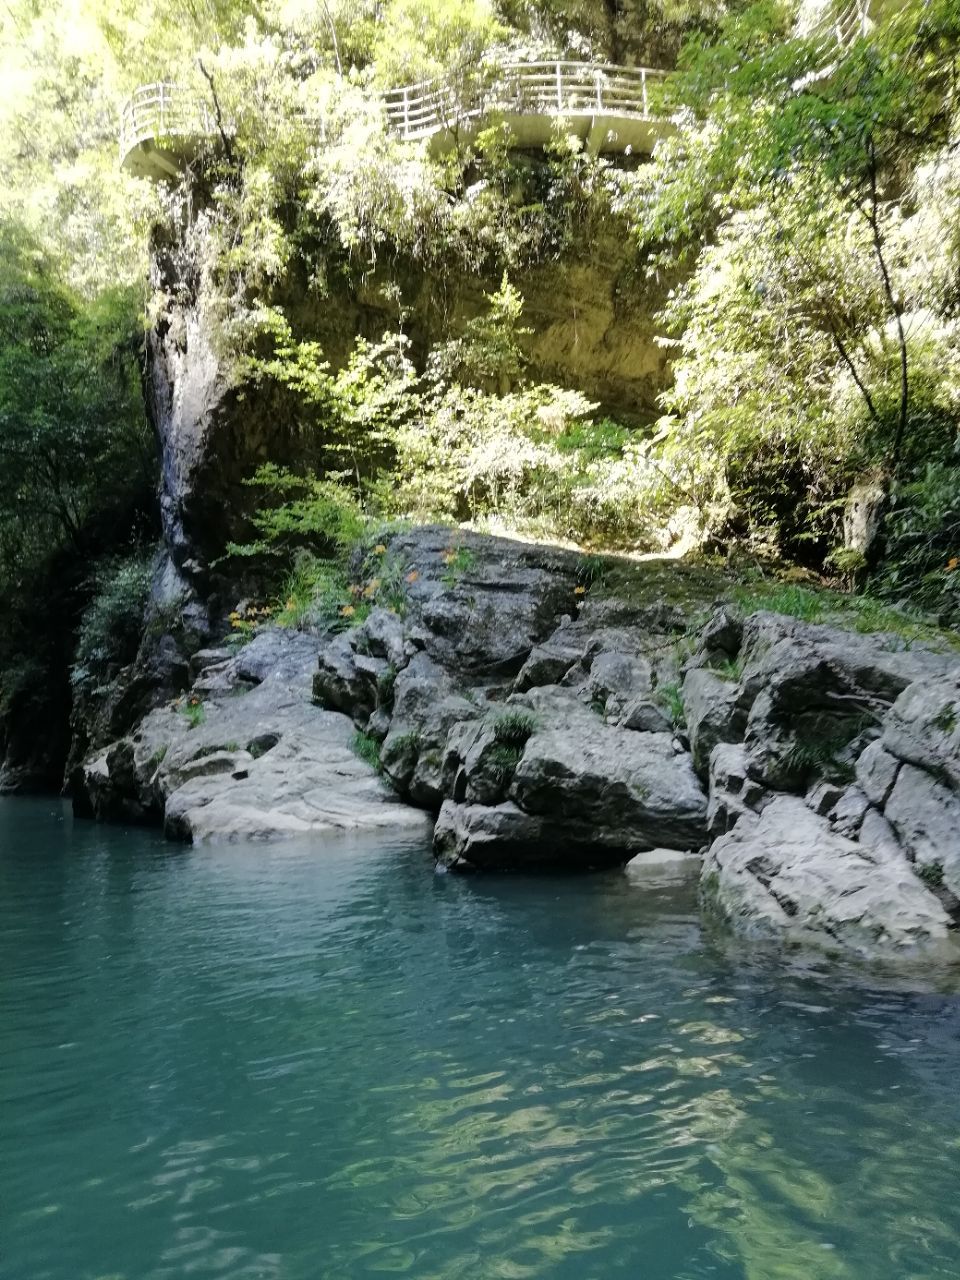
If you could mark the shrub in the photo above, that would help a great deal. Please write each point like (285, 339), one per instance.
(367, 748)
(112, 624)
(513, 727)
(670, 699)
(194, 712)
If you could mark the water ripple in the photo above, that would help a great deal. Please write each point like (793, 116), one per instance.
(321, 1061)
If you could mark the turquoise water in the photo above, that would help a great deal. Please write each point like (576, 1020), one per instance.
(326, 1061)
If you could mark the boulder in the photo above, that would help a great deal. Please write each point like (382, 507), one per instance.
(473, 837)
(877, 772)
(616, 680)
(784, 874)
(634, 789)
(849, 811)
(426, 706)
(259, 761)
(877, 835)
(485, 618)
(348, 680)
(923, 728)
(547, 664)
(644, 716)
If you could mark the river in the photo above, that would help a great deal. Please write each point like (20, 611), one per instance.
(324, 1061)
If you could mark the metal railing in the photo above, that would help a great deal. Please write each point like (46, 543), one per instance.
(558, 88)
(164, 110)
(159, 111)
(851, 23)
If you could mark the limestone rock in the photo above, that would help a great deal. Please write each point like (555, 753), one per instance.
(616, 680)
(877, 772)
(926, 817)
(261, 761)
(631, 787)
(713, 714)
(784, 874)
(849, 811)
(505, 838)
(878, 835)
(923, 728)
(644, 716)
(733, 790)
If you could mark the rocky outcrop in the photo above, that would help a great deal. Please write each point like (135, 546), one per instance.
(246, 755)
(532, 719)
(786, 874)
(545, 723)
(834, 782)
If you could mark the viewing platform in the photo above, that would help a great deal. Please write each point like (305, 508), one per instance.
(609, 108)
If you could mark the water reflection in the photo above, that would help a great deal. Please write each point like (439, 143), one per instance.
(324, 1061)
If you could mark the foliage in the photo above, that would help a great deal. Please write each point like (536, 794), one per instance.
(807, 350)
(193, 712)
(73, 438)
(468, 438)
(931, 873)
(923, 542)
(305, 510)
(513, 727)
(787, 598)
(671, 700)
(112, 624)
(459, 560)
(502, 760)
(367, 748)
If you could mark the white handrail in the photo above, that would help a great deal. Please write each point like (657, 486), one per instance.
(558, 87)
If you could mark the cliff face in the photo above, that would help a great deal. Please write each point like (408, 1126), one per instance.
(592, 328)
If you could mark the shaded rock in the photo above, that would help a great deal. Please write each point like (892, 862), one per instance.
(203, 659)
(276, 652)
(348, 681)
(849, 811)
(546, 664)
(618, 679)
(426, 706)
(504, 838)
(784, 874)
(485, 619)
(713, 714)
(383, 635)
(632, 788)
(644, 716)
(822, 797)
(878, 667)
(722, 635)
(733, 790)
